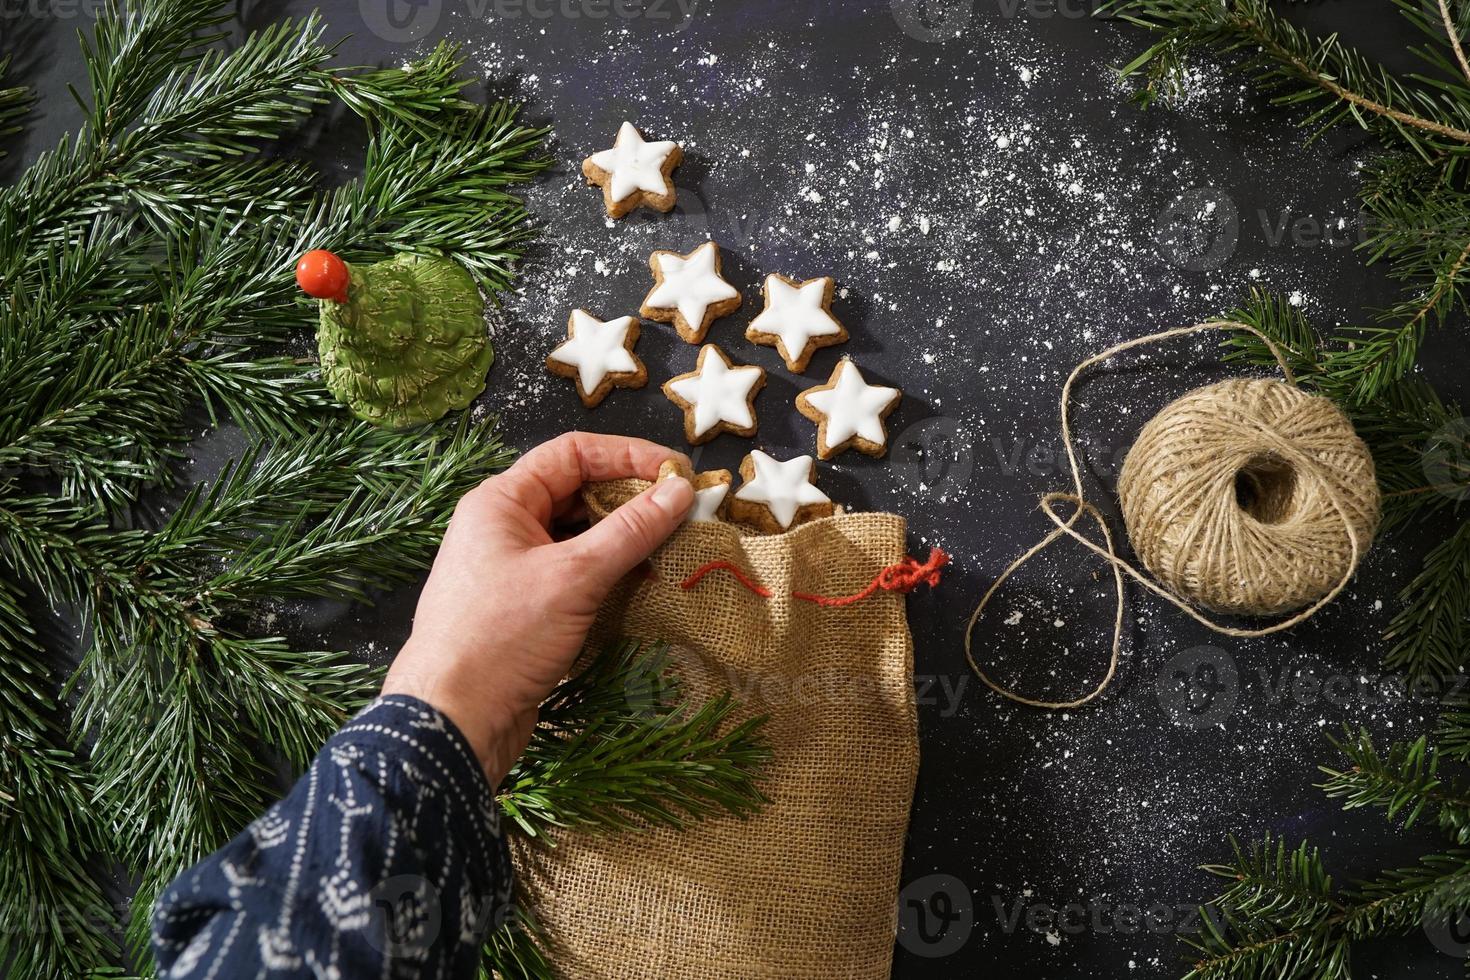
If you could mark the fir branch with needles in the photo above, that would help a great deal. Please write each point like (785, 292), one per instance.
(1283, 915)
(1421, 452)
(146, 292)
(618, 747)
(1416, 204)
(15, 102)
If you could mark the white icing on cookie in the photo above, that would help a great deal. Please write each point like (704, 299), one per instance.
(784, 487)
(596, 348)
(795, 314)
(635, 164)
(690, 285)
(719, 392)
(853, 407)
(707, 500)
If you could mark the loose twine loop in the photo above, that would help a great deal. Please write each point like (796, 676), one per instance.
(1358, 517)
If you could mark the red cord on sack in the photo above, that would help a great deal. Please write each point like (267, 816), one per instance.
(903, 576)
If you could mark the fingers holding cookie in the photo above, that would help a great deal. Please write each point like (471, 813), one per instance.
(711, 488)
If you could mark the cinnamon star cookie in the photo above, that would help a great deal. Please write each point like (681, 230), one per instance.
(716, 396)
(599, 356)
(778, 493)
(797, 319)
(710, 489)
(849, 412)
(634, 171)
(689, 292)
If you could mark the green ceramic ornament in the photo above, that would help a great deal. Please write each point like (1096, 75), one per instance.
(408, 344)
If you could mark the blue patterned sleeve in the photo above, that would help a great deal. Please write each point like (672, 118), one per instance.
(385, 861)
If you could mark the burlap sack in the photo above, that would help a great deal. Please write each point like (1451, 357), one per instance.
(808, 887)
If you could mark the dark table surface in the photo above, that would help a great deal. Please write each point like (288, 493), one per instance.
(991, 207)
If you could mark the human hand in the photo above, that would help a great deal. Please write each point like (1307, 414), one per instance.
(506, 607)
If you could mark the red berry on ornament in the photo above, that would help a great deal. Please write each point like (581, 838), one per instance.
(322, 275)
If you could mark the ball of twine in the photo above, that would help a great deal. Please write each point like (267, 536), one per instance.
(1248, 496)
(1237, 496)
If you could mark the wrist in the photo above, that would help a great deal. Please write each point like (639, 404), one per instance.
(496, 733)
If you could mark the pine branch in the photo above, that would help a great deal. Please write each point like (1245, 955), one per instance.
(625, 763)
(617, 748)
(1452, 737)
(401, 489)
(55, 919)
(1419, 443)
(1282, 919)
(178, 774)
(15, 102)
(133, 48)
(1336, 82)
(1429, 634)
(1278, 919)
(1453, 33)
(1405, 784)
(145, 274)
(1290, 888)
(431, 195)
(423, 96)
(1419, 451)
(1273, 315)
(514, 950)
(222, 103)
(1421, 228)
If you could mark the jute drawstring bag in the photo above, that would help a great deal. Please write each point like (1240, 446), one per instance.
(808, 887)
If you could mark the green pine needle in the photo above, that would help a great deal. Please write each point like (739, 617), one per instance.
(1431, 633)
(619, 747)
(15, 102)
(516, 950)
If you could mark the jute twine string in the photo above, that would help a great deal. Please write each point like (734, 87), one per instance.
(1325, 482)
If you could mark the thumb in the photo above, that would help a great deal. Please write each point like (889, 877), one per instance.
(616, 544)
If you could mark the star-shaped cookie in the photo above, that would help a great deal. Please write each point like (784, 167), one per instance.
(849, 412)
(599, 356)
(689, 292)
(710, 489)
(634, 171)
(716, 396)
(797, 319)
(778, 493)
